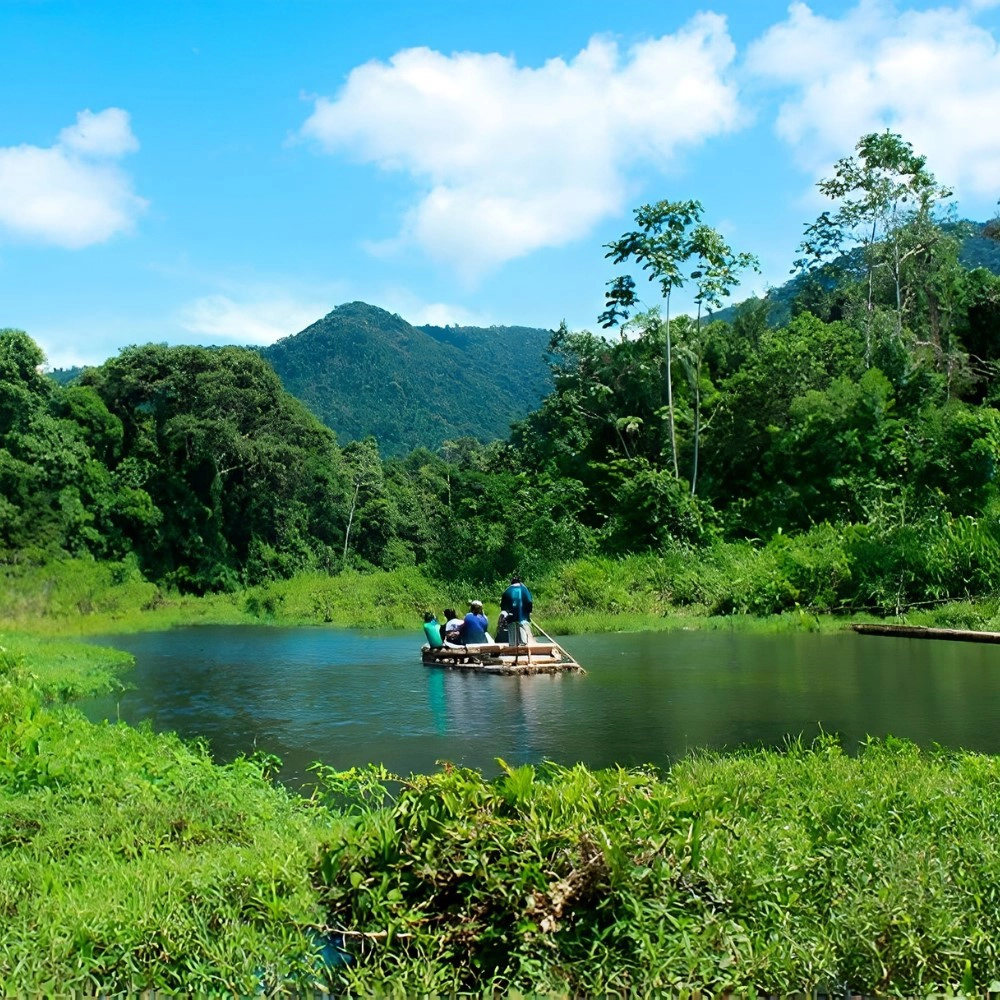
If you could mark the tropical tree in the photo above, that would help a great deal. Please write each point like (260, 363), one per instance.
(661, 245)
(885, 198)
(716, 274)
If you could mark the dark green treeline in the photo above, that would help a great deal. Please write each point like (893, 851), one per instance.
(853, 448)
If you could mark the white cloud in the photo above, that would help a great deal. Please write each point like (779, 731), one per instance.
(510, 159)
(417, 312)
(259, 321)
(108, 133)
(933, 76)
(71, 194)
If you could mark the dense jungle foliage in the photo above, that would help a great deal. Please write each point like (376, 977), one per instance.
(845, 459)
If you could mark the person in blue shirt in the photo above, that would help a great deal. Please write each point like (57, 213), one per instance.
(516, 601)
(475, 625)
(514, 627)
(432, 630)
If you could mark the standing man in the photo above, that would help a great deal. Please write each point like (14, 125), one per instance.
(516, 602)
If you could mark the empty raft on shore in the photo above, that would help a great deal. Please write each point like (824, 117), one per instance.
(494, 658)
(919, 632)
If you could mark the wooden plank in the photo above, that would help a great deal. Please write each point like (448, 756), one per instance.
(920, 632)
(495, 649)
(535, 667)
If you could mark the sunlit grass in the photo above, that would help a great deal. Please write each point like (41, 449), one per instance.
(129, 861)
(758, 872)
(79, 597)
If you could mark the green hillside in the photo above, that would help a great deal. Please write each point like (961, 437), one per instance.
(980, 248)
(365, 371)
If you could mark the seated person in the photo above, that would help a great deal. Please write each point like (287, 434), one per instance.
(474, 625)
(451, 631)
(432, 630)
(503, 628)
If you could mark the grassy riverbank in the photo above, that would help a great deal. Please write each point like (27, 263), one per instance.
(79, 597)
(129, 861)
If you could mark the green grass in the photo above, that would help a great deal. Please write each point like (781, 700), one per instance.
(759, 872)
(129, 861)
(62, 670)
(80, 597)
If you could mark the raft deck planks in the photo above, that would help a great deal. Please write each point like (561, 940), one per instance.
(494, 658)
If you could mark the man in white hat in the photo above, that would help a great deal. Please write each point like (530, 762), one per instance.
(475, 625)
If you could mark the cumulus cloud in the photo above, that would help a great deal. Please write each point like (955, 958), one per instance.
(251, 321)
(419, 312)
(933, 76)
(71, 194)
(510, 159)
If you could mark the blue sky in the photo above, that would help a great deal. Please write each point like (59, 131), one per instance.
(229, 171)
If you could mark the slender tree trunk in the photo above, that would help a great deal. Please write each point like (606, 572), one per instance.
(350, 517)
(899, 297)
(871, 299)
(697, 403)
(622, 439)
(670, 396)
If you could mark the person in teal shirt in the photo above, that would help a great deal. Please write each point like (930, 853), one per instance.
(432, 630)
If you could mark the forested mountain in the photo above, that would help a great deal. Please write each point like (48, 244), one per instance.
(364, 371)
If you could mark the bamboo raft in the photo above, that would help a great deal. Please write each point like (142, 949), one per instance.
(495, 658)
(920, 632)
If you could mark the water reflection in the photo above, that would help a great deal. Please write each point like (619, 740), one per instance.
(348, 698)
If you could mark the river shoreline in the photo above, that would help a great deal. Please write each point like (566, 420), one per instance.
(79, 597)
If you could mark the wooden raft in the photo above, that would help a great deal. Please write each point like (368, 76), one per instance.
(920, 632)
(494, 658)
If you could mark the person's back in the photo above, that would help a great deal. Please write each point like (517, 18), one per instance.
(451, 631)
(516, 601)
(475, 625)
(432, 630)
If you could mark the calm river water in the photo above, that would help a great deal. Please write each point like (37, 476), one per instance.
(347, 698)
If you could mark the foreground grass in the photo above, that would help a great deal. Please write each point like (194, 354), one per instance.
(757, 872)
(129, 861)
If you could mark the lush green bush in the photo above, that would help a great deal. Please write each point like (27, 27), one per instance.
(379, 599)
(77, 587)
(759, 872)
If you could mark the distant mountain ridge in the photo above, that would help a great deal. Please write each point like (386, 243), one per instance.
(365, 371)
(975, 250)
